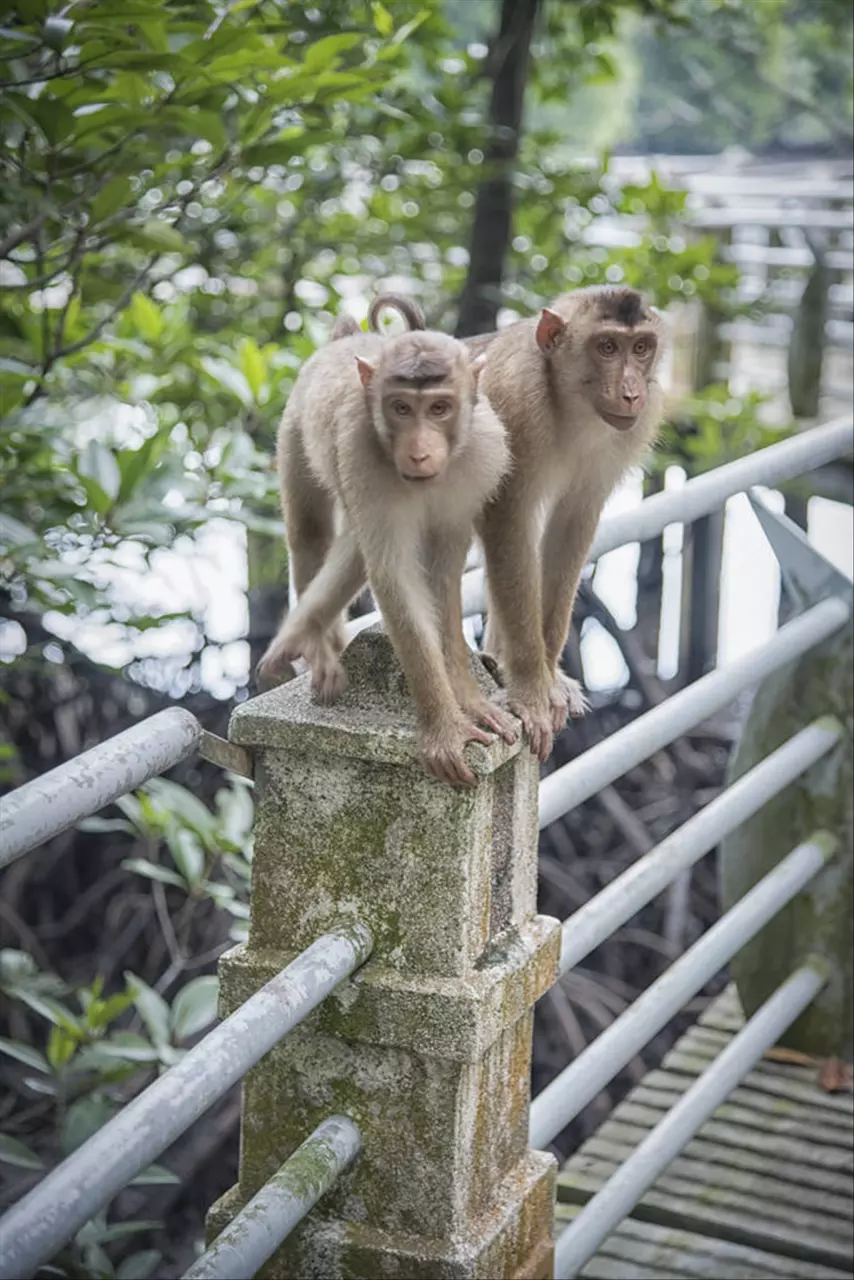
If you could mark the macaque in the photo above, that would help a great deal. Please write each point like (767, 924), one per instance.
(386, 456)
(575, 388)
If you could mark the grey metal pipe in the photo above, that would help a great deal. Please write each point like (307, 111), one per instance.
(44, 1220)
(566, 1096)
(42, 808)
(650, 875)
(579, 1241)
(257, 1231)
(772, 465)
(598, 767)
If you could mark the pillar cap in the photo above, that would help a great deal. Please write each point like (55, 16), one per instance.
(373, 719)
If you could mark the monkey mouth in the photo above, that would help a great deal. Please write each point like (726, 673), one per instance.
(620, 421)
(404, 475)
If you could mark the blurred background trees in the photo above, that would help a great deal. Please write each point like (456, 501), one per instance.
(191, 190)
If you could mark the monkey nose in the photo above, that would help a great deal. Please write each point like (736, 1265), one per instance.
(631, 398)
(418, 458)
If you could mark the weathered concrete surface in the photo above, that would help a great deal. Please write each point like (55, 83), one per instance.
(428, 1048)
(819, 920)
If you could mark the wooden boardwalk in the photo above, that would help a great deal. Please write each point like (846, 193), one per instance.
(765, 1190)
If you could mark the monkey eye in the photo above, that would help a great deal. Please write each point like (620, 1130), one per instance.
(608, 347)
(401, 408)
(440, 408)
(642, 346)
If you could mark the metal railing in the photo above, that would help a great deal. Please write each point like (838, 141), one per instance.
(58, 1206)
(44, 1220)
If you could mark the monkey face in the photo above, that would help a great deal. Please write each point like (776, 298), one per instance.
(604, 341)
(421, 427)
(620, 362)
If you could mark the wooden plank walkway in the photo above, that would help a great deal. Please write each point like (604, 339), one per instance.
(765, 1190)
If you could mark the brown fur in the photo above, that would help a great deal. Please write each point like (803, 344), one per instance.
(549, 383)
(350, 437)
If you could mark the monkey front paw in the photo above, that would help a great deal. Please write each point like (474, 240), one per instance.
(536, 716)
(566, 698)
(486, 713)
(273, 669)
(321, 651)
(442, 752)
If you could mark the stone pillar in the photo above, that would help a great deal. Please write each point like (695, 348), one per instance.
(428, 1048)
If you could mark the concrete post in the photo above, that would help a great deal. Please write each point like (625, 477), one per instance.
(428, 1048)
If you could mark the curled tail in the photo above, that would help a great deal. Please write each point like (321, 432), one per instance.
(405, 307)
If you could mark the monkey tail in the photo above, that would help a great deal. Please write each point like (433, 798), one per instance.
(405, 307)
(344, 327)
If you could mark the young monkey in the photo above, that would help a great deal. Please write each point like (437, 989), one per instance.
(576, 390)
(386, 456)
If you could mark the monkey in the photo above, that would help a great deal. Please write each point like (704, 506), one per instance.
(576, 390)
(386, 455)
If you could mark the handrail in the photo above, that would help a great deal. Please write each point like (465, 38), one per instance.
(568, 1094)
(50, 804)
(698, 497)
(607, 1209)
(612, 906)
(251, 1237)
(637, 741)
(38, 1225)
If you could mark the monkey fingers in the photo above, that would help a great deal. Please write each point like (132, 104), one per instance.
(442, 752)
(274, 668)
(487, 713)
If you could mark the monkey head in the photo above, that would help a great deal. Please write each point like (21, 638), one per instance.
(603, 344)
(421, 391)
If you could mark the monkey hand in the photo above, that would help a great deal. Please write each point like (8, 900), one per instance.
(566, 698)
(533, 708)
(321, 650)
(486, 713)
(274, 669)
(442, 751)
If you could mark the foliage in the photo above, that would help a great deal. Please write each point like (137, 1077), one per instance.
(84, 1074)
(769, 75)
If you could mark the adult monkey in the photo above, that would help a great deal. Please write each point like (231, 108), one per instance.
(575, 388)
(387, 453)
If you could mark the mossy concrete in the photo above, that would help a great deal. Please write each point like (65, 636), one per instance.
(819, 920)
(428, 1048)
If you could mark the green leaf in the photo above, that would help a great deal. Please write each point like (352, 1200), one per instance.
(97, 1231)
(194, 1007)
(253, 365)
(404, 32)
(24, 1053)
(147, 317)
(324, 53)
(187, 852)
(12, 1151)
(139, 1265)
(151, 1007)
(156, 234)
(383, 21)
(83, 1118)
(153, 872)
(52, 1010)
(156, 1175)
(98, 463)
(229, 378)
(60, 1048)
(110, 198)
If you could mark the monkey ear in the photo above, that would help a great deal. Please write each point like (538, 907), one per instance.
(550, 327)
(366, 371)
(477, 367)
